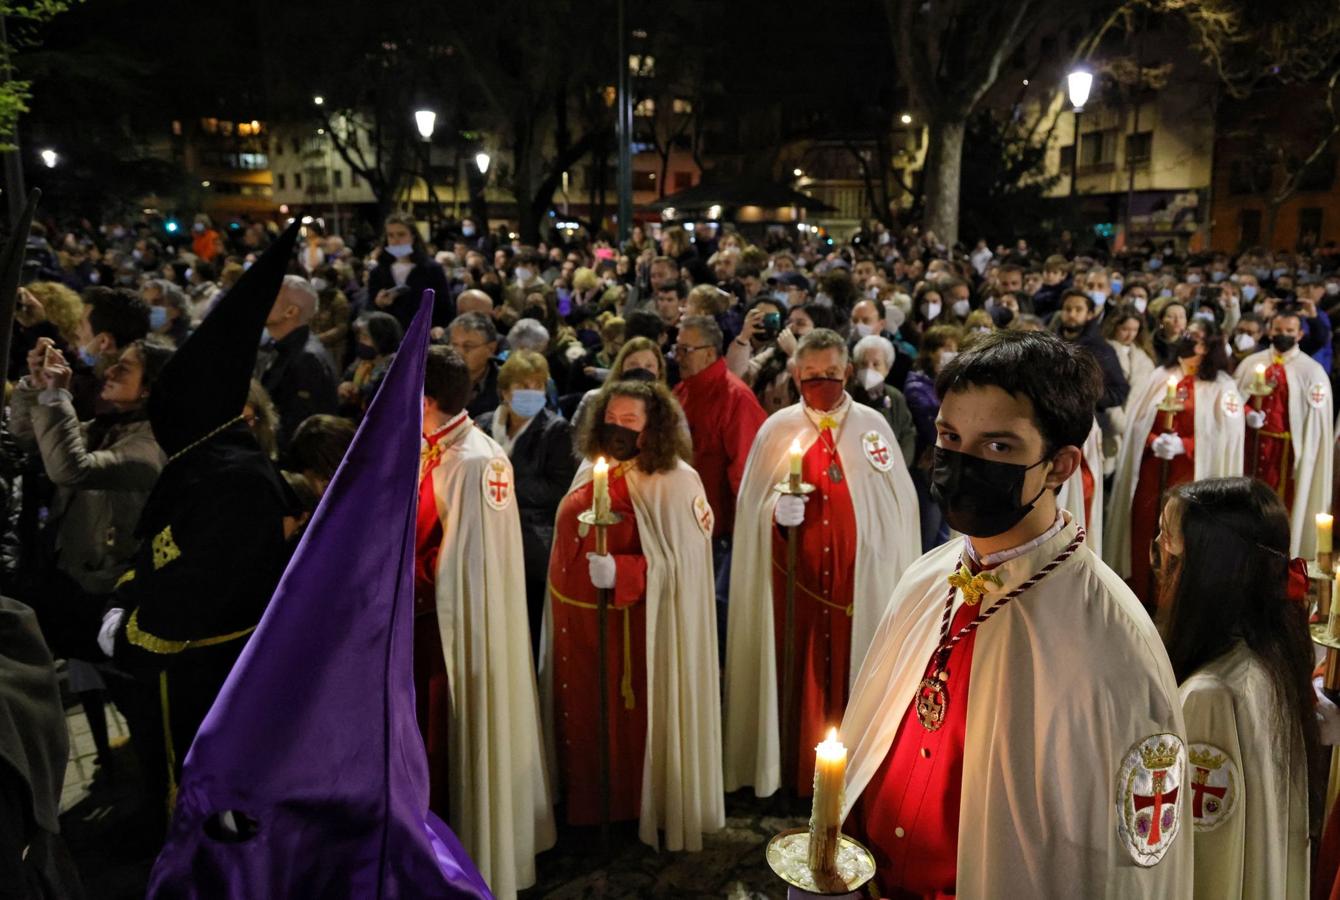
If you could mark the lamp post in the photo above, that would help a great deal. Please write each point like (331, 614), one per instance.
(1078, 85)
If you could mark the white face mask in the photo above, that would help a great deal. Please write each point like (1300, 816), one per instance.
(860, 329)
(871, 379)
(1332, 288)
(320, 284)
(962, 308)
(944, 356)
(523, 274)
(1140, 304)
(931, 310)
(1244, 342)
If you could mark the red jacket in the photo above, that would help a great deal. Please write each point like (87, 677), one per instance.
(724, 418)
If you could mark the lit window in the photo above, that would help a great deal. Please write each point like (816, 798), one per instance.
(645, 108)
(176, 127)
(683, 106)
(209, 126)
(226, 128)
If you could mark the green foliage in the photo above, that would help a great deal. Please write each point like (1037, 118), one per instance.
(16, 92)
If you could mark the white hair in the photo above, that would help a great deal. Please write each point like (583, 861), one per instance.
(528, 334)
(873, 342)
(306, 298)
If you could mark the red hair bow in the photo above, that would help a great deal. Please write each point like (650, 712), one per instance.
(1298, 580)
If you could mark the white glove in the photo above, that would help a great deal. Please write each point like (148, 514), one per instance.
(1328, 716)
(789, 511)
(602, 570)
(1168, 446)
(111, 624)
(1255, 418)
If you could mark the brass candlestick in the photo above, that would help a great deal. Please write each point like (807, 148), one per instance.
(1170, 407)
(794, 487)
(1258, 393)
(601, 523)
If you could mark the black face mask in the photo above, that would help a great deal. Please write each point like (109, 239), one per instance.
(638, 375)
(1186, 347)
(364, 351)
(1283, 343)
(618, 441)
(538, 313)
(980, 497)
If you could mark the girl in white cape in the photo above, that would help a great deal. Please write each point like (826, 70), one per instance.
(1238, 640)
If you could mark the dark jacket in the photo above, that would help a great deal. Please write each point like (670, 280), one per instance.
(300, 377)
(425, 274)
(484, 396)
(924, 404)
(1115, 388)
(1048, 298)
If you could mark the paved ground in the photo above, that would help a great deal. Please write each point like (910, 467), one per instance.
(99, 820)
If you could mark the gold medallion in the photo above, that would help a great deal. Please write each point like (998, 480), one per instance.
(932, 699)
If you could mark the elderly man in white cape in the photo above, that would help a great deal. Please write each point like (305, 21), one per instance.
(1205, 440)
(1290, 431)
(475, 682)
(1015, 729)
(662, 687)
(857, 533)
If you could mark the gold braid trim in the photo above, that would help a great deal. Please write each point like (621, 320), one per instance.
(154, 644)
(820, 598)
(626, 679)
(189, 447)
(974, 587)
(126, 578)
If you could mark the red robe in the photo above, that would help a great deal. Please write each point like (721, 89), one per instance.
(825, 566)
(576, 695)
(1145, 506)
(909, 813)
(1274, 459)
(432, 697)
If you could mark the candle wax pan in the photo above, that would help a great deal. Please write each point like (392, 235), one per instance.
(789, 855)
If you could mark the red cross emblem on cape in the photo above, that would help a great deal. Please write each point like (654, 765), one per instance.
(1214, 786)
(1148, 784)
(497, 483)
(1231, 404)
(1317, 395)
(877, 451)
(702, 513)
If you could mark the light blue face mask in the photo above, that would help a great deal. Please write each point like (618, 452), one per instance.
(1249, 292)
(157, 317)
(88, 357)
(1117, 285)
(527, 403)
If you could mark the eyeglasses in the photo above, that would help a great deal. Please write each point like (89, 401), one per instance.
(682, 349)
(467, 348)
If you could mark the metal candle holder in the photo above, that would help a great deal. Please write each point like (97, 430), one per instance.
(793, 487)
(788, 857)
(1258, 393)
(601, 523)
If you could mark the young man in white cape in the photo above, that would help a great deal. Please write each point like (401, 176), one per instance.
(474, 678)
(857, 533)
(1082, 495)
(1015, 729)
(1205, 441)
(662, 687)
(1290, 438)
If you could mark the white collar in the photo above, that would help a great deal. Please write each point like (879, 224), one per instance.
(991, 560)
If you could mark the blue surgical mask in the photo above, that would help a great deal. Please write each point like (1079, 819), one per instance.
(467, 231)
(1117, 284)
(157, 317)
(1098, 297)
(1218, 276)
(88, 357)
(1249, 292)
(1155, 264)
(1279, 272)
(400, 251)
(527, 403)
(780, 297)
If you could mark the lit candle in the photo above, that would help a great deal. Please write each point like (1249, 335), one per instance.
(600, 477)
(1325, 524)
(1259, 384)
(797, 458)
(1171, 398)
(830, 773)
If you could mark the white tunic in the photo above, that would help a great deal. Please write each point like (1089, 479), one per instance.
(1070, 693)
(500, 799)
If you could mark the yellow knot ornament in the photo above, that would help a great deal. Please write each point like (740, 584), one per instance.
(827, 423)
(974, 587)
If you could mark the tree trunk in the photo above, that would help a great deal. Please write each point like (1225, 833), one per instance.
(943, 174)
(1272, 220)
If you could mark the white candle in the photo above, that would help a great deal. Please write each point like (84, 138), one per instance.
(1259, 383)
(830, 773)
(797, 458)
(600, 478)
(1325, 529)
(1171, 398)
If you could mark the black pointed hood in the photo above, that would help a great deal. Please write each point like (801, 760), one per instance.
(204, 386)
(11, 270)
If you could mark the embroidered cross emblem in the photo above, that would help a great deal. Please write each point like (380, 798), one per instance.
(1156, 800)
(1199, 788)
(498, 484)
(165, 549)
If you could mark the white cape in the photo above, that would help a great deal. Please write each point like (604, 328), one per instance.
(1219, 439)
(681, 770)
(1311, 428)
(500, 800)
(1066, 680)
(1071, 495)
(888, 538)
(1252, 841)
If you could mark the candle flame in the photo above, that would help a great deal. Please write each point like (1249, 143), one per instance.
(1260, 369)
(1172, 381)
(795, 445)
(832, 735)
(601, 464)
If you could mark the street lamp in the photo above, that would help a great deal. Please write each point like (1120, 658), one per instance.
(1078, 85)
(797, 172)
(905, 118)
(482, 160)
(425, 119)
(49, 158)
(318, 100)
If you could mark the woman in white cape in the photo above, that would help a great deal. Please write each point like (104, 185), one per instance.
(1238, 640)
(663, 684)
